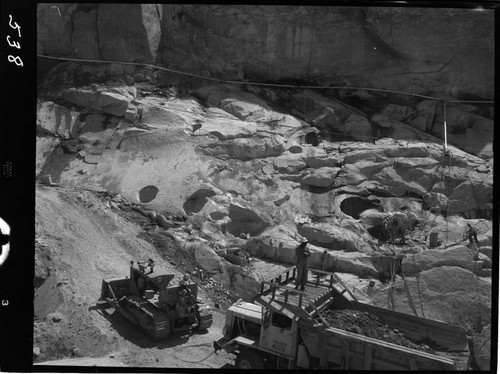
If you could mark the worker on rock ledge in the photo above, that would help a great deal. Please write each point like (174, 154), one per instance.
(302, 253)
(471, 233)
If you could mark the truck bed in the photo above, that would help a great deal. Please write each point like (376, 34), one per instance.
(344, 350)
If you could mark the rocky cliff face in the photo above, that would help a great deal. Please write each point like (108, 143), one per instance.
(447, 52)
(238, 163)
(360, 174)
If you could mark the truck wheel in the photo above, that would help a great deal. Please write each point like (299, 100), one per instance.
(249, 360)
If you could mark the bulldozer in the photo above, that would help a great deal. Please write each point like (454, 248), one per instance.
(149, 300)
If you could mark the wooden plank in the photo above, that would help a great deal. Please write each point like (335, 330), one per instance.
(321, 271)
(368, 357)
(345, 354)
(309, 290)
(339, 281)
(323, 357)
(413, 364)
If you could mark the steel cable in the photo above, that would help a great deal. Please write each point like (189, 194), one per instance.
(259, 83)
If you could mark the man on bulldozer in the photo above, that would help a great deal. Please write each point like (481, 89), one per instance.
(184, 284)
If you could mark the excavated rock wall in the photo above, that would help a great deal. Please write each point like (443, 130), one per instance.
(238, 167)
(257, 169)
(448, 52)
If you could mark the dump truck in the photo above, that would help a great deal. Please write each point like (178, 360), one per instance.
(284, 328)
(149, 300)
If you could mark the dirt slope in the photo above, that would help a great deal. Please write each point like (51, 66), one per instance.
(81, 241)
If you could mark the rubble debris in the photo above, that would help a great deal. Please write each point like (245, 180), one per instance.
(364, 323)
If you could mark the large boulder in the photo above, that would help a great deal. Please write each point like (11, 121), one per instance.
(58, 120)
(158, 117)
(450, 294)
(109, 102)
(470, 196)
(242, 105)
(288, 163)
(321, 177)
(459, 256)
(276, 243)
(331, 236)
(317, 158)
(358, 127)
(245, 281)
(205, 257)
(359, 264)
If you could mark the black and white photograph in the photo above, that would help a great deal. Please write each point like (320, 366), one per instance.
(248, 186)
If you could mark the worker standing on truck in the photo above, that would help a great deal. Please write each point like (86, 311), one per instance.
(302, 253)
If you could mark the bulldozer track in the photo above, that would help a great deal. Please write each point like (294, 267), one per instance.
(151, 318)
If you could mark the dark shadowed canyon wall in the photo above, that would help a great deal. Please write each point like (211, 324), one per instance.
(448, 52)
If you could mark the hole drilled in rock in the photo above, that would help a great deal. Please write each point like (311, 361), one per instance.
(148, 194)
(353, 206)
(312, 138)
(295, 149)
(217, 215)
(197, 200)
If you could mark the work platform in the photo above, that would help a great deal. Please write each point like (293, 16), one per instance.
(280, 293)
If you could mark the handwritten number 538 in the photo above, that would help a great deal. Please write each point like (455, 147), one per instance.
(17, 60)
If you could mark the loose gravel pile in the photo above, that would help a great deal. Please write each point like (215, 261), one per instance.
(366, 324)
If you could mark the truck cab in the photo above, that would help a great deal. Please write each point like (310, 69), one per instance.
(250, 327)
